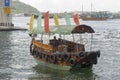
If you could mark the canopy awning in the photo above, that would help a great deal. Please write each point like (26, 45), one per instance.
(65, 29)
(83, 29)
(60, 29)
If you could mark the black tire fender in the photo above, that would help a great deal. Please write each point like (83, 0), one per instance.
(47, 57)
(60, 57)
(67, 57)
(39, 54)
(72, 61)
(31, 49)
(52, 58)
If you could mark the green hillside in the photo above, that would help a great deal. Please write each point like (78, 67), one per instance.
(19, 7)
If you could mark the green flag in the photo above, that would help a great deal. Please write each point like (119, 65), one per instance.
(39, 23)
(67, 19)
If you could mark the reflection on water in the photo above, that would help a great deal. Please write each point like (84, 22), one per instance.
(5, 72)
(13, 55)
(46, 73)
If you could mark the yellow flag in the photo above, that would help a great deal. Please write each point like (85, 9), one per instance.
(56, 20)
(31, 23)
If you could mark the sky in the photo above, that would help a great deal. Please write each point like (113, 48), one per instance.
(74, 5)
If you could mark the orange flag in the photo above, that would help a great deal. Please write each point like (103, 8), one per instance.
(76, 19)
(46, 22)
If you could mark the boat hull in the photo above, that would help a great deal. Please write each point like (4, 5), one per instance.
(46, 56)
(54, 66)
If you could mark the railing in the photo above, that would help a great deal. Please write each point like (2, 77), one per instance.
(43, 46)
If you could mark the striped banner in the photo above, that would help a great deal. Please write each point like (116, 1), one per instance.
(39, 23)
(56, 20)
(46, 22)
(67, 19)
(76, 19)
(31, 23)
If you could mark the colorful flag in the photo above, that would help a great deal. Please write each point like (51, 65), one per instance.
(6, 3)
(76, 19)
(67, 19)
(46, 22)
(56, 19)
(39, 22)
(31, 23)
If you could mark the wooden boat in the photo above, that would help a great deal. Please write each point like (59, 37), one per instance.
(95, 16)
(62, 53)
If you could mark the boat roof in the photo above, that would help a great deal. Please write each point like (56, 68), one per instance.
(65, 29)
(83, 29)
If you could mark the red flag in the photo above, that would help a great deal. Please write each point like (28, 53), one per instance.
(76, 19)
(46, 22)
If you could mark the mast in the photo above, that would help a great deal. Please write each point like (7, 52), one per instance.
(91, 9)
(82, 8)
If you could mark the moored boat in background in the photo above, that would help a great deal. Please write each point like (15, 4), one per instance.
(85, 18)
(95, 16)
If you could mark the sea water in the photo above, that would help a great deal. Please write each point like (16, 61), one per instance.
(16, 63)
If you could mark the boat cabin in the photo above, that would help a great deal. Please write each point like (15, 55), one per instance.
(63, 45)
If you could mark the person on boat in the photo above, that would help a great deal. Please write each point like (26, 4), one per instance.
(55, 43)
(60, 41)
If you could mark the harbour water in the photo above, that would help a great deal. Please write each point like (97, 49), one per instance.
(17, 64)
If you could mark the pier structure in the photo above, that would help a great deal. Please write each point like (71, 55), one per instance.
(6, 16)
(5, 13)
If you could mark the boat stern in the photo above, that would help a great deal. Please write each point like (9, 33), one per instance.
(87, 59)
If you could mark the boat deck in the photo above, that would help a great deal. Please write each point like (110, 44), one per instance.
(62, 46)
